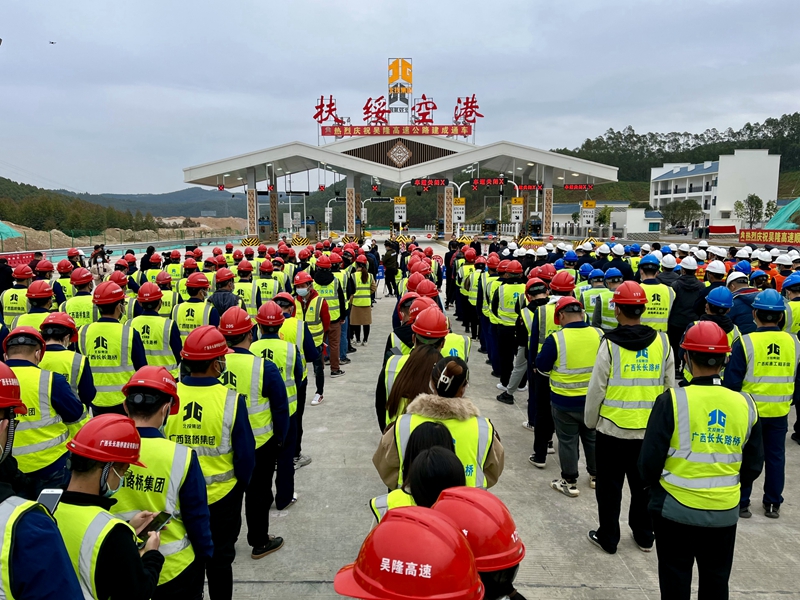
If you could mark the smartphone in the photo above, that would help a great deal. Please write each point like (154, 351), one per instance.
(50, 498)
(157, 524)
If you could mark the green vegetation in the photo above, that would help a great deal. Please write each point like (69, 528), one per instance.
(751, 209)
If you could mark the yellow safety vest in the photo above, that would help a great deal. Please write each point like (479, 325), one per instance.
(155, 333)
(71, 365)
(311, 315)
(283, 355)
(205, 424)
(488, 282)
(577, 352)
(281, 277)
(289, 269)
(229, 258)
(66, 287)
(547, 322)
(151, 274)
(508, 295)
(712, 425)
(30, 319)
(175, 270)
(588, 299)
(14, 303)
(792, 316)
(108, 347)
(472, 437)
(246, 290)
(191, 315)
(341, 277)
(493, 285)
(293, 331)
(636, 379)
(84, 529)
(81, 309)
(474, 281)
(398, 347)
(245, 375)
(634, 261)
(732, 335)
(660, 298)
(771, 364)
(12, 509)
(269, 288)
(157, 489)
(394, 499)
(363, 295)
(606, 300)
(41, 436)
(456, 345)
(461, 276)
(393, 366)
(169, 301)
(330, 293)
(182, 290)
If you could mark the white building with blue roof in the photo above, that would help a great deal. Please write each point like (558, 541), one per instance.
(716, 185)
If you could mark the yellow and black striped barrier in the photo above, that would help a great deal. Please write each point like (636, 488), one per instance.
(299, 241)
(250, 241)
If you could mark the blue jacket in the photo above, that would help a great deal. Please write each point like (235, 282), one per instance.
(742, 312)
(86, 389)
(244, 443)
(274, 388)
(545, 361)
(58, 289)
(194, 503)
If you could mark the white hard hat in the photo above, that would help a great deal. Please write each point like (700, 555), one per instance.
(531, 252)
(716, 267)
(794, 253)
(673, 247)
(774, 252)
(703, 244)
(646, 247)
(549, 246)
(340, 244)
(618, 249)
(701, 255)
(570, 247)
(693, 249)
(669, 262)
(603, 249)
(742, 253)
(587, 247)
(657, 254)
(765, 256)
(541, 251)
(519, 252)
(512, 245)
(734, 275)
(784, 259)
(683, 247)
(689, 263)
(561, 246)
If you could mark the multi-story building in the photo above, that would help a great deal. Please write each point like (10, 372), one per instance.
(716, 185)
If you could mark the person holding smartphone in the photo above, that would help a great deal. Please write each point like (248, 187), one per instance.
(151, 396)
(103, 548)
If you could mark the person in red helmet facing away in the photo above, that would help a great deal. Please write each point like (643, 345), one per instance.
(160, 335)
(100, 455)
(223, 297)
(62, 288)
(247, 288)
(40, 297)
(13, 301)
(150, 397)
(173, 265)
(330, 288)
(195, 311)
(463, 279)
(536, 295)
(361, 301)
(695, 482)
(80, 306)
(506, 307)
(401, 340)
(313, 309)
(213, 421)
(618, 404)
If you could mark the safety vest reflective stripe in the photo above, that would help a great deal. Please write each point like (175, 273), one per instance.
(473, 285)
(330, 293)
(457, 345)
(363, 295)
(11, 510)
(589, 297)
(30, 319)
(527, 319)
(168, 301)
(110, 359)
(155, 333)
(771, 365)
(705, 454)
(547, 322)
(269, 288)
(606, 299)
(577, 353)
(312, 315)
(792, 316)
(14, 303)
(65, 362)
(393, 366)
(246, 290)
(462, 274)
(66, 287)
(189, 321)
(507, 295)
(394, 499)
(398, 346)
(245, 374)
(660, 298)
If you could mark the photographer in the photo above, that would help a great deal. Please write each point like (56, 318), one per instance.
(99, 261)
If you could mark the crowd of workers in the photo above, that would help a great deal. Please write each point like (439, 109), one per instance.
(178, 386)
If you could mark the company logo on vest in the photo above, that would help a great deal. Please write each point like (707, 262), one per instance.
(774, 350)
(100, 343)
(656, 297)
(717, 417)
(642, 354)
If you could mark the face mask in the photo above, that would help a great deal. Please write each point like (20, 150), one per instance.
(108, 492)
(222, 366)
(302, 292)
(541, 301)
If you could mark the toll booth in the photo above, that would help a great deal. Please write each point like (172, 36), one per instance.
(310, 230)
(264, 229)
(440, 229)
(533, 227)
(488, 227)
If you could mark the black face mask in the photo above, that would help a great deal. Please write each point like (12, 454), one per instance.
(540, 301)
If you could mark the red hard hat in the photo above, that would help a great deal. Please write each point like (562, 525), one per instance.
(317, 253)
(224, 275)
(155, 378)
(291, 253)
(413, 281)
(155, 257)
(271, 251)
(39, 290)
(270, 315)
(707, 337)
(262, 248)
(118, 277)
(266, 266)
(464, 248)
(238, 254)
(407, 297)
(562, 282)
(629, 292)
(80, 276)
(323, 262)
(228, 246)
(547, 272)
(427, 288)
(190, 263)
(149, 292)
(420, 267)
(335, 258)
(418, 537)
(205, 343)
(428, 251)
(361, 259)
(417, 306)
(480, 261)
(73, 252)
(245, 266)
(130, 258)
(431, 323)
(302, 277)
(503, 265)
(10, 393)
(221, 262)
(235, 321)
(216, 251)
(22, 272)
(514, 267)
(493, 261)
(45, 266)
(470, 255)
(286, 297)
(197, 280)
(488, 525)
(326, 243)
(121, 263)
(25, 331)
(108, 292)
(277, 261)
(61, 320)
(534, 281)
(175, 255)
(412, 247)
(562, 304)
(108, 438)
(248, 251)
(318, 246)
(163, 278)
(64, 266)
(198, 253)
(304, 254)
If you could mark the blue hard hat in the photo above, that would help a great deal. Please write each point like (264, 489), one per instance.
(585, 269)
(666, 250)
(649, 259)
(627, 249)
(613, 272)
(570, 256)
(677, 269)
(721, 296)
(635, 248)
(559, 264)
(743, 266)
(757, 274)
(769, 300)
(598, 274)
(792, 280)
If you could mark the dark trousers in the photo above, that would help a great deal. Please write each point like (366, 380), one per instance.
(459, 299)
(226, 522)
(356, 329)
(494, 347)
(484, 326)
(675, 334)
(570, 429)
(680, 545)
(773, 434)
(186, 586)
(616, 460)
(391, 283)
(450, 291)
(471, 318)
(284, 480)
(531, 393)
(302, 392)
(319, 372)
(258, 498)
(507, 342)
(543, 421)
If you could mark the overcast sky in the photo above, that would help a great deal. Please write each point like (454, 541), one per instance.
(133, 92)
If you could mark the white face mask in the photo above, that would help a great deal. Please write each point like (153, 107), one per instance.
(302, 291)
